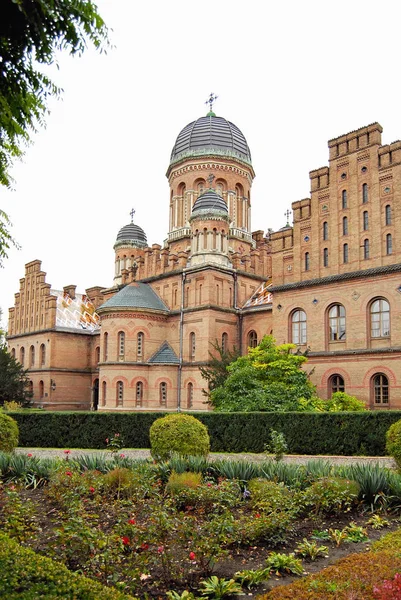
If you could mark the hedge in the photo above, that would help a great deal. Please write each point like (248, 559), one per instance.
(347, 434)
(27, 575)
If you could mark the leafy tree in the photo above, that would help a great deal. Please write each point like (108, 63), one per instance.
(215, 373)
(269, 378)
(340, 401)
(14, 383)
(31, 32)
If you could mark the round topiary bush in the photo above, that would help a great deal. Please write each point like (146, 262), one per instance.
(178, 433)
(8, 433)
(393, 442)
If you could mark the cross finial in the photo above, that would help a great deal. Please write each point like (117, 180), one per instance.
(132, 214)
(212, 98)
(287, 214)
(210, 179)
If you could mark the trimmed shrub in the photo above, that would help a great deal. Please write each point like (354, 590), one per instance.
(8, 433)
(269, 496)
(393, 442)
(178, 433)
(24, 574)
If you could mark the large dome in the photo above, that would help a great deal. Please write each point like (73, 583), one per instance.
(132, 233)
(211, 134)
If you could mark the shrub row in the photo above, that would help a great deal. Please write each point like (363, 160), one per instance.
(354, 576)
(347, 434)
(25, 574)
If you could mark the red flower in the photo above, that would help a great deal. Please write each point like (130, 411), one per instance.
(160, 549)
(257, 516)
(144, 546)
(67, 451)
(125, 540)
(68, 473)
(122, 455)
(107, 440)
(209, 485)
(92, 490)
(132, 521)
(192, 556)
(29, 455)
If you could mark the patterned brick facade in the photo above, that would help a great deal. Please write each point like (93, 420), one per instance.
(330, 283)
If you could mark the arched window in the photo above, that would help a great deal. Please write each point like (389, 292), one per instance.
(121, 344)
(41, 389)
(307, 261)
(365, 220)
(366, 249)
(42, 355)
(205, 238)
(217, 294)
(22, 356)
(97, 355)
(298, 327)
(336, 384)
(104, 391)
(140, 345)
(337, 329)
(325, 257)
(224, 342)
(252, 339)
(120, 393)
(365, 193)
(325, 230)
(345, 225)
(105, 346)
(32, 356)
(345, 253)
(379, 318)
(13, 353)
(31, 387)
(190, 395)
(139, 393)
(344, 199)
(192, 345)
(201, 187)
(388, 214)
(380, 389)
(389, 244)
(163, 393)
(219, 189)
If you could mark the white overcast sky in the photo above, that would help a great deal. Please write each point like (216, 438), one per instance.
(291, 75)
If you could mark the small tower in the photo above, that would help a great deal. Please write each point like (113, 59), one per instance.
(209, 228)
(130, 244)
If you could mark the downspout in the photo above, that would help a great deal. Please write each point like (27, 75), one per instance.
(235, 298)
(179, 376)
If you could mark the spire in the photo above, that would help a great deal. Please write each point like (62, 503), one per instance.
(210, 101)
(132, 214)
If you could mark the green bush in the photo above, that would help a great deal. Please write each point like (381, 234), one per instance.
(27, 575)
(178, 433)
(393, 442)
(269, 496)
(340, 401)
(8, 433)
(331, 495)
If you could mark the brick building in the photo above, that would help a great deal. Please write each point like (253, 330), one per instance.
(331, 284)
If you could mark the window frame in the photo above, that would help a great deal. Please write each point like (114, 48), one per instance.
(163, 393)
(337, 323)
(120, 393)
(380, 389)
(345, 254)
(252, 339)
(384, 324)
(344, 199)
(336, 384)
(389, 244)
(299, 327)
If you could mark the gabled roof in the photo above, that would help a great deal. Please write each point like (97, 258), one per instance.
(136, 295)
(164, 355)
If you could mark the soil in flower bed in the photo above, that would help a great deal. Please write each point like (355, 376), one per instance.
(105, 536)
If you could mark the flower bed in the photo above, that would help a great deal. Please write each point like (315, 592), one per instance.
(146, 529)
